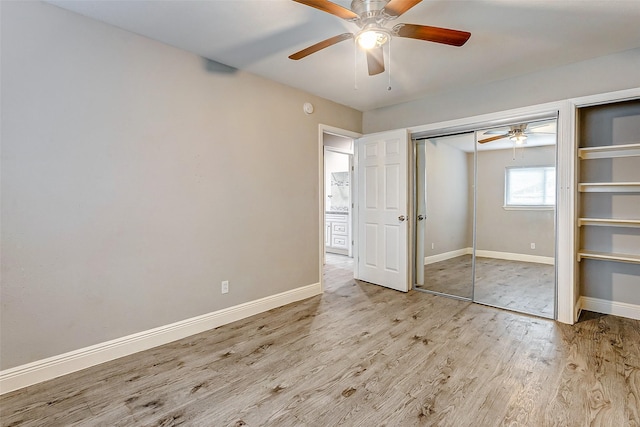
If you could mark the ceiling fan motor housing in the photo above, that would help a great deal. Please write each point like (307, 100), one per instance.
(370, 11)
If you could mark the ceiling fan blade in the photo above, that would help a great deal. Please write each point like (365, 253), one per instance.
(329, 7)
(398, 7)
(319, 46)
(432, 34)
(541, 128)
(375, 60)
(493, 138)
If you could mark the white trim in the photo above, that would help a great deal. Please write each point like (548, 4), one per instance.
(515, 257)
(565, 216)
(528, 207)
(605, 98)
(622, 309)
(56, 366)
(447, 255)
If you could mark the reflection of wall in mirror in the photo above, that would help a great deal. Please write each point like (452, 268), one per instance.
(512, 231)
(449, 198)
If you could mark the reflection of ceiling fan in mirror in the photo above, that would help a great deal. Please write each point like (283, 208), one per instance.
(371, 16)
(518, 133)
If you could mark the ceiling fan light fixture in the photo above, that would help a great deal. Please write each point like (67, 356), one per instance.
(519, 138)
(368, 39)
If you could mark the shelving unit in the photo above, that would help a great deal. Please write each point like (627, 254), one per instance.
(606, 256)
(609, 222)
(609, 187)
(608, 208)
(609, 151)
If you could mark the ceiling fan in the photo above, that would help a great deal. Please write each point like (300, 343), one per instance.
(371, 16)
(517, 133)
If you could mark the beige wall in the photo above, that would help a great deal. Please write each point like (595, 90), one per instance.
(136, 177)
(599, 75)
(512, 231)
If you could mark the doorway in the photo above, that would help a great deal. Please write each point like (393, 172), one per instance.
(336, 206)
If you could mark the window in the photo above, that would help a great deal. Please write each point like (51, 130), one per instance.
(530, 187)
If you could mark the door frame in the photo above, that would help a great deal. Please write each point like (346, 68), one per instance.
(326, 129)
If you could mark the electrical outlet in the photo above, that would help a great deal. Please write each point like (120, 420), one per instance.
(225, 286)
(433, 245)
(533, 246)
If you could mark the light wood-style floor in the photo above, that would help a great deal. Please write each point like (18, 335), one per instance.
(360, 355)
(521, 286)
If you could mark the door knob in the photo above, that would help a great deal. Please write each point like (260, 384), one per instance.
(420, 217)
(401, 218)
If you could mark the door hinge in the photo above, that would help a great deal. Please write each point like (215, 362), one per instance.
(352, 169)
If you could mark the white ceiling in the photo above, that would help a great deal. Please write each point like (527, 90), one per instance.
(509, 38)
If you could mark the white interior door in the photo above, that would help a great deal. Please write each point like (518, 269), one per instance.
(383, 223)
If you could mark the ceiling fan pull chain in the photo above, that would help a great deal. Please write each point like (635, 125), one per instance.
(389, 66)
(355, 64)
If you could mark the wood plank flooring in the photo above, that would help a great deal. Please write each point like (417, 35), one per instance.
(360, 355)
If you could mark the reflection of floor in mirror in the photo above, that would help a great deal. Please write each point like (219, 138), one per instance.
(451, 276)
(515, 285)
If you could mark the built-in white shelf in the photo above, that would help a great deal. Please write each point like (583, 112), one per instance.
(606, 256)
(609, 151)
(609, 187)
(609, 222)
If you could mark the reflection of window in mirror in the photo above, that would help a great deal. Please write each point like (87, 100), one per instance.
(530, 187)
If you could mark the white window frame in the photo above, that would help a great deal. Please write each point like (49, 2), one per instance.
(538, 206)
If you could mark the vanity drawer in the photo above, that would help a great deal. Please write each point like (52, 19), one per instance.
(339, 242)
(339, 228)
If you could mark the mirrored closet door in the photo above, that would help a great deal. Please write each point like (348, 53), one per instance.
(444, 189)
(485, 216)
(515, 217)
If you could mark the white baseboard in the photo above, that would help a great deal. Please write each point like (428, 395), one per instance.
(489, 254)
(447, 255)
(515, 257)
(52, 367)
(622, 309)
